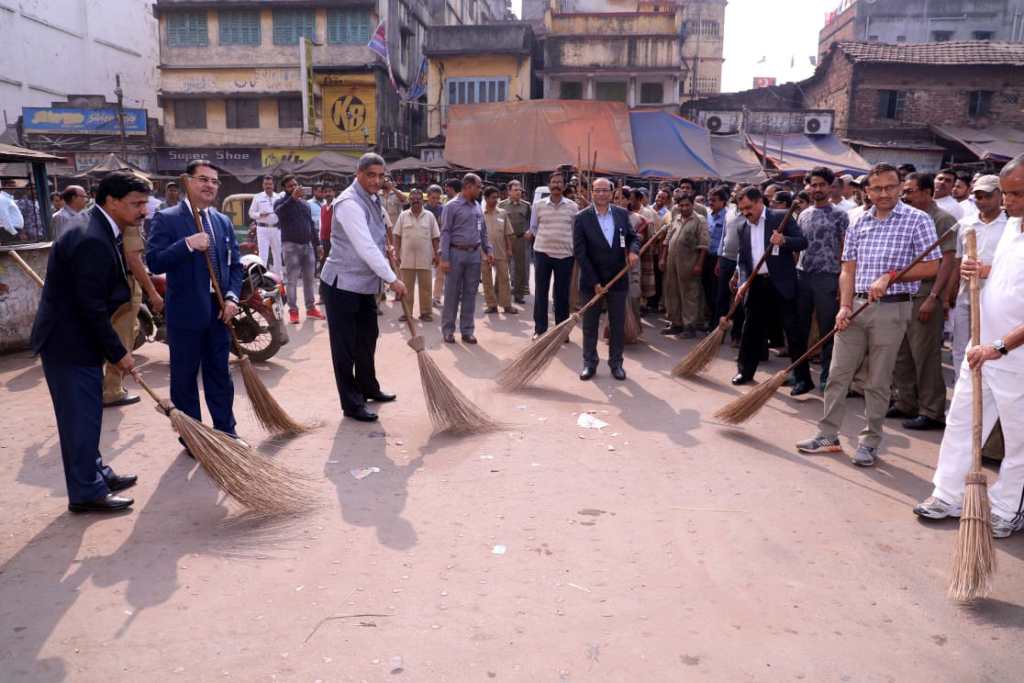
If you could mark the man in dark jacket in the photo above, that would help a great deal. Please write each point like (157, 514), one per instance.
(86, 281)
(301, 244)
(773, 291)
(603, 243)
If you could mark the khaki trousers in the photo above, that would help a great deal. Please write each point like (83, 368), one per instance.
(877, 333)
(520, 266)
(418, 277)
(920, 386)
(500, 282)
(125, 321)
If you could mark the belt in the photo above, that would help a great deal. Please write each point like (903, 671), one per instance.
(463, 247)
(890, 298)
(264, 225)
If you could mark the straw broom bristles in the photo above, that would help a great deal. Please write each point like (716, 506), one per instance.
(251, 478)
(532, 360)
(974, 559)
(701, 356)
(450, 410)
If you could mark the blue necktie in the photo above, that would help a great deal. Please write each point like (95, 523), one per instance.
(213, 244)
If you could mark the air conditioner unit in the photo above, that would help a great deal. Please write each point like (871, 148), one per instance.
(818, 124)
(720, 121)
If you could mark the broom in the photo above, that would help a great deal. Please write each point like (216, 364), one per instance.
(702, 354)
(974, 559)
(450, 410)
(532, 360)
(269, 413)
(745, 407)
(26, 268)
(251, 478)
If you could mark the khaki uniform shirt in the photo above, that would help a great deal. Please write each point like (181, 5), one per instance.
(133, 243)
(518, 214)
(417, 233)
(498, 227)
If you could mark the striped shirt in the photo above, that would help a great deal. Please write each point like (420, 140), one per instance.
(551, 225)
(879, 247)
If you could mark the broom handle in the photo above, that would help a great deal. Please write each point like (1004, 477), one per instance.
(406, 305)
(26, 268)
(971, 240)
(764, 258)
(142, 383)
(824, 340)
(656, 237)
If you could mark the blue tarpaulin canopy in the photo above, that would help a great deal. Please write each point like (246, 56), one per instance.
(796, 153)
(668, 146)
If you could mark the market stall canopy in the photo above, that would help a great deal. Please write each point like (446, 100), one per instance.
(995, 143)
(327, 162)
(668, 146)
(735, 161)
(417, 164)
(12, 153)
(110, 164)
(540, 135)
(796, 153)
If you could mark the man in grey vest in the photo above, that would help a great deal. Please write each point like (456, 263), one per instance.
(350, 283)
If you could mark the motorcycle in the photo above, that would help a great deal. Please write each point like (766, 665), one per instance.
(259, 324)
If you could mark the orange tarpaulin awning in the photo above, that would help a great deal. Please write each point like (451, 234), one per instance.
(540, 135)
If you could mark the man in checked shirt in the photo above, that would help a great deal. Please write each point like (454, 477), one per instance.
(883, 242)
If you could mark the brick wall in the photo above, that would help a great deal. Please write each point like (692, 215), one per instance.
(832, 90)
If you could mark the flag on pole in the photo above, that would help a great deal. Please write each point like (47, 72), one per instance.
(419, 85)
(379, 45)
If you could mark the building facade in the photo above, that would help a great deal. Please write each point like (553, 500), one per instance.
(923, 21)
(467, 12)
(55, 49)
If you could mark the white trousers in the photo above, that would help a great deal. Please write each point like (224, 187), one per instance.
(961, 334)
(1003, 398)
(269, 242)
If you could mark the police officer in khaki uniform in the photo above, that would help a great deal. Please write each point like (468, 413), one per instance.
(518, 211)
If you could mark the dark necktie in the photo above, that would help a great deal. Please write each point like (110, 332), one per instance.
(119, 248)
(212, 251)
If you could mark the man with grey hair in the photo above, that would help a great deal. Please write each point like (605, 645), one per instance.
(75, 198)
(350, 283)
(463, 240)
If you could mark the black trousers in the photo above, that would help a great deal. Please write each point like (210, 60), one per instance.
(616, 302)
(709, 282)
(352, 326)
(818, 295)
(724, 295)
(764, 307)
(544, 268)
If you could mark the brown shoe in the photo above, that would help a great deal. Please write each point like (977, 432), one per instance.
(468, 339)
(427, 318)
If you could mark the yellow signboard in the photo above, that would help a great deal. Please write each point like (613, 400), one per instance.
(271, 156)
(350, 114)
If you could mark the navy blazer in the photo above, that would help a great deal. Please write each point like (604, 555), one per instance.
(598, 261)
(86, 282)
(781, 266)
(188, 300)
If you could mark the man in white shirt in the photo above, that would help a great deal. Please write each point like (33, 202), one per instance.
(349, 285)
(944, 182)
(842, 193)
(1000, 357)
(268, 233)
(11, 220)
(75, 198)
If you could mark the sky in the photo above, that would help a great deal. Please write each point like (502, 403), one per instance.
(783, 33)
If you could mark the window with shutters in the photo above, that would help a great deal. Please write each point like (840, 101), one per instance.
(289, 112)
(348, 26)
(476, 90)
(242, 113)
(187, 29)
(652, 93)
(891, 104)
(292, 24)
(239, 27)
(189, 114)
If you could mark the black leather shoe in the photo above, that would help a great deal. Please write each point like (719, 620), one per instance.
(923, 423)
(363, 415)
(120, 483)
(672, 329)
(449, 338)
(618, 373)
(108, 503)
(468, 339)
(126, 400)
(801, 388)
(381, 397)
(741, 379)
(588, 373)
(895, 413)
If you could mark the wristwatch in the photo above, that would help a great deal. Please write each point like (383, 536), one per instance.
(1000, 346)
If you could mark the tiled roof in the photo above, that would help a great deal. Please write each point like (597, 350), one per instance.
(966, 52)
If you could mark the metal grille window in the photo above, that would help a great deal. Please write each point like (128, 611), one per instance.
(292, 24)
(348, 26)
(980, 104)
(891, 104)
(242, 113)
(239, 27)
(187, 29)
(189, 114)
(475, 90)
(652, 93)
(289, 112)
(570, 90)
(707, 86)
(710, 29)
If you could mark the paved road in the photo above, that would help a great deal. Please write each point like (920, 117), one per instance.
(661, 548)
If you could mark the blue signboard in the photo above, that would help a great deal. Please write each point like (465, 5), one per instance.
(82, 121)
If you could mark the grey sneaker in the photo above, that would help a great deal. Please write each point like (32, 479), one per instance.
(936, 508)
(1002, 527)
(820, 444)
(865, 456)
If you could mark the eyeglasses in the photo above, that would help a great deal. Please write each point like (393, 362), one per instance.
(206, 180)
(884, 189)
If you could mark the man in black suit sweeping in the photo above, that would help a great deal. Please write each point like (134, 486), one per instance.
(86, 281)
(603, 243)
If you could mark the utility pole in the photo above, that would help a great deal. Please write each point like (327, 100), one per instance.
(120, 117)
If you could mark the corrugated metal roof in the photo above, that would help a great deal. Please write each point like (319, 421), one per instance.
(964, 52)
(12, 153)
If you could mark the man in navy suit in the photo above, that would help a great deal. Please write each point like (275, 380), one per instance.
(603, 243)
(773, 290)
(196, 326)
(86, 281)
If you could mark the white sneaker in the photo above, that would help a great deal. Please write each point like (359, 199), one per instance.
(1002, 528)
(936, 508)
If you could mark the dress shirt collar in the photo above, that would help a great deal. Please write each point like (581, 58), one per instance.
(113, 225)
